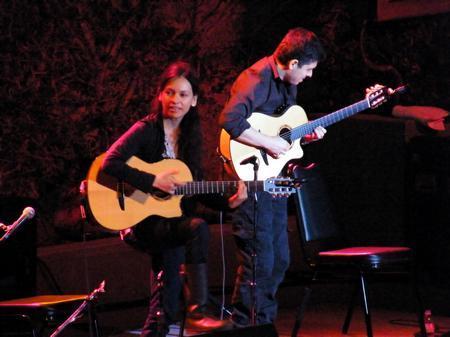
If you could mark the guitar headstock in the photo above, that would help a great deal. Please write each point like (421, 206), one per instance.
(281, 186)
(377, 95)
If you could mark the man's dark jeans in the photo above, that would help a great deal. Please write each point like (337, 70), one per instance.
(272, 257)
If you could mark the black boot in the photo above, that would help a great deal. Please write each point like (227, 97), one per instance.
(197, 316)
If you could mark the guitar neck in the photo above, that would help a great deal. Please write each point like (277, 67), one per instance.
(327, 120)
(210, 187)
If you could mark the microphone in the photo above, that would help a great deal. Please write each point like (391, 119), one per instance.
(27, 214)
(250, 160)
(254, 161)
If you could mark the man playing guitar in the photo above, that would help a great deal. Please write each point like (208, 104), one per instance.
(268, 86)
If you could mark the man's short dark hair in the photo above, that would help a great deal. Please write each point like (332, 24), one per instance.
(300, 44)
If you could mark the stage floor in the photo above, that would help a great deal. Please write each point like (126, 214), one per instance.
(321, 320)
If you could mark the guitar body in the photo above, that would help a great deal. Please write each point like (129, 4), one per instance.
(235, 152)
(103, 197)
(116, 205)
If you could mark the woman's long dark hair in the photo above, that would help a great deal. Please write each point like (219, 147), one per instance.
(190, 141)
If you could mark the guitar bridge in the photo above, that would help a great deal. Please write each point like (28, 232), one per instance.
(121, 195)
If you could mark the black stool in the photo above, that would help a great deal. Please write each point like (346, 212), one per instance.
(39, 312)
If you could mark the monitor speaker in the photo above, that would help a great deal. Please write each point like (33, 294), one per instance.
(265, 330)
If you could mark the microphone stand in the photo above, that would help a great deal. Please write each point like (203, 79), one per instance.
(77, 313)
(254, 161)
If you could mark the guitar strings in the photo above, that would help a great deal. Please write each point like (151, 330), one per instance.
(329, 119)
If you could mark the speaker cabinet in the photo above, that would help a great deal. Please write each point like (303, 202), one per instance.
(429, 215)
(265, 330)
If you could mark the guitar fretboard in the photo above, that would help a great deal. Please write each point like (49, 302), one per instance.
(324, 121)
(207, 187)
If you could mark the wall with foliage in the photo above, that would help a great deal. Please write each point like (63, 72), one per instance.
(76, 74)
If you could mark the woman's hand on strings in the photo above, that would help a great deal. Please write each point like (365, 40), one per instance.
(167, 181)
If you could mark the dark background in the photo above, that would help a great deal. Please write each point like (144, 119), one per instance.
(77, 74)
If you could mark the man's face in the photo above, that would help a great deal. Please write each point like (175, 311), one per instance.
(297, 73)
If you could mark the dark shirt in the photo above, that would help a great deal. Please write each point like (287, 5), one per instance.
(145, 140)
(259, 88)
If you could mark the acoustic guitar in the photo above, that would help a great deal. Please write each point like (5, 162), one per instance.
(116, 205)
(292, 125)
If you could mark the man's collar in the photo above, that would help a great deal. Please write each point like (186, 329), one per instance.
(278, 73)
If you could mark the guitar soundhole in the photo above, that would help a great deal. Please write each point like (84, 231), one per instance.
(161, 195)
(284, 132)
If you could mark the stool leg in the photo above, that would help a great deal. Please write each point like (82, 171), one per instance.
(301, 311)
(182, 324)
(185, 297)
(37, 328)
(94, 330)
(351, 306)
(366, 305)
(161, 314)
(420, 310)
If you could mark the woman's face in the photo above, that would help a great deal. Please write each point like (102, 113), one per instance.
(177, 98)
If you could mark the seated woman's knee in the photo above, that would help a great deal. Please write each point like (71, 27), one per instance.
(198, 227)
